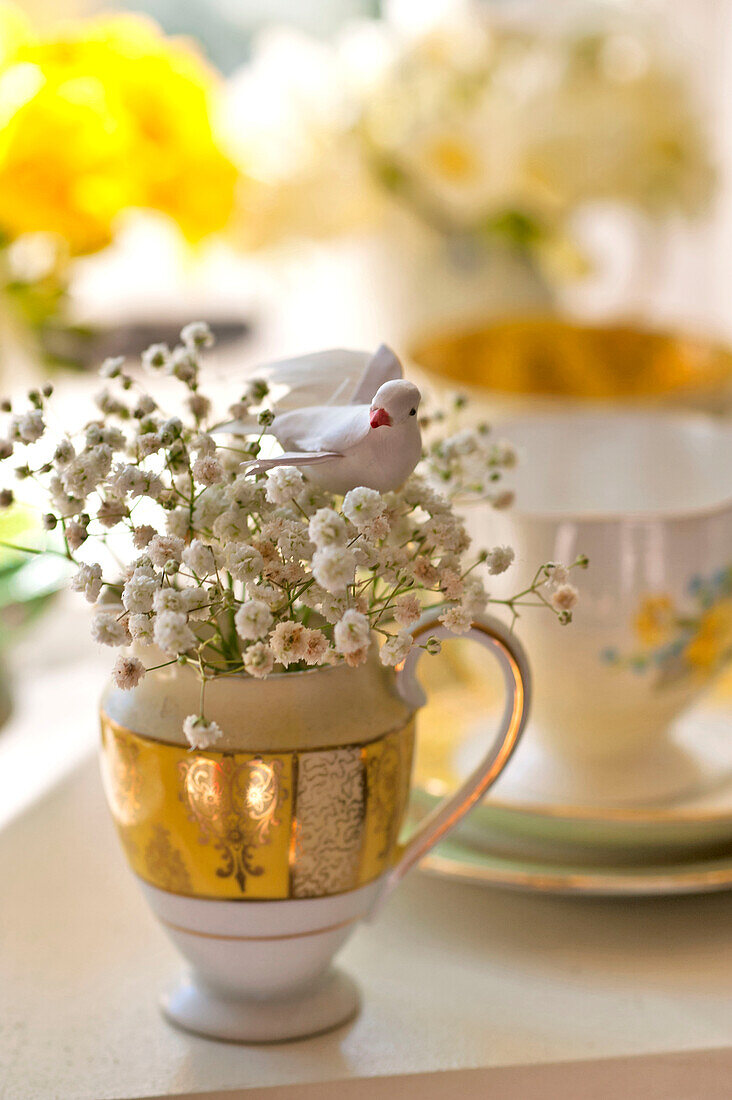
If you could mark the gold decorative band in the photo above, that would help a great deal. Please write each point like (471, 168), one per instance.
(256, 826)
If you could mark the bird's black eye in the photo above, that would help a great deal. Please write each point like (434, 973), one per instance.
(412, 412)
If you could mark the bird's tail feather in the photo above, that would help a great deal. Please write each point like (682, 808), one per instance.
(291, 458)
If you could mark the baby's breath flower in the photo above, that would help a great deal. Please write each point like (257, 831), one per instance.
(177, 522)
(253, 620)
(327, 528)
(142, 535)
(352, 633)
(170, 599)
(259, 660)
(149, 443)
(474, 597)
(164, 548)
(425, 573)
(182, 364)
(499, 559)
(172, 633)
(197, 334)
(362, 506)
(556, 573)
(127, 672)
(396, 648)
(232, 525)
(156, 356)
(243, 561)
(199, 558)
(289, 642)
(334, 567)
(112, 366)
(146, 405)
(268, 553)
(109, 629)
(357, 657)
(28, 427)
(270, 595)
(203, 444)
(457, 620)
(564, 597)
(141, 628)
(199, 405)
(201, 734)
(89, 581)
(112, 511)
(76, 535)
(316, 647)
(451, 583)
(283, 484)
(138, 592)
(407, 609)
(207, 470)
(64, 452)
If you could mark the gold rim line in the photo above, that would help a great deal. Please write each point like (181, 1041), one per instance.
(299, 751)
(422, 842)
(259, 939)
(573, 883)
(601, 815)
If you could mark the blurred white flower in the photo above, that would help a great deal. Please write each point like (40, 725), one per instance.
(334, 567)
(89, 581)
(252, 620)
(127, 672)
(396, 648)
(172, 633)
(352, 632)
(201, 734)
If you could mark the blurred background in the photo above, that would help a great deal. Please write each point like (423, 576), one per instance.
(530, 200)
(360, 170)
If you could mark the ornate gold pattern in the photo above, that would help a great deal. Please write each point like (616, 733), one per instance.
(165, 865)
(123, 779)
(234, 805)
(254, 826)
(330, 820)
(384, 783)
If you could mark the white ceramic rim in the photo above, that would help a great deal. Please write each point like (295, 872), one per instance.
(600, 412)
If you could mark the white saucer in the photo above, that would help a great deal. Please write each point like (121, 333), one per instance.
(457, 861)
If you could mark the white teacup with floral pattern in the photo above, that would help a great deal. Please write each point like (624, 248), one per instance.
(648, 498)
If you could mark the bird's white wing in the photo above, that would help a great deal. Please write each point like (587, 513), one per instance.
(383, 366)
(322, 378)
(332, 428)
(334, 377)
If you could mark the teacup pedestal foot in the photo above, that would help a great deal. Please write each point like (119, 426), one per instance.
(203, 1010)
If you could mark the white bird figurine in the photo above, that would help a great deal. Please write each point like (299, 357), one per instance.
(349, 417)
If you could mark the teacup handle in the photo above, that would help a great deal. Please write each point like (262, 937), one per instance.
(503, 644)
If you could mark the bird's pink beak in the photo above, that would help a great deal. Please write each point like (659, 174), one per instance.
(379, 418)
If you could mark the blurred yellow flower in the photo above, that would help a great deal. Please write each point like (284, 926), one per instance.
(655, 619)
(106, 116)
(713, 639)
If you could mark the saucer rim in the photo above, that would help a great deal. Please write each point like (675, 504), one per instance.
(601, 815)
(704, 877)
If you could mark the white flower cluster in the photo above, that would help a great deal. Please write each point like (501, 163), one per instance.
(229, 572)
